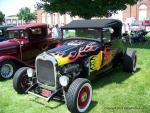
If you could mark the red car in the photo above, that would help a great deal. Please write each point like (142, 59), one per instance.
(24, 43)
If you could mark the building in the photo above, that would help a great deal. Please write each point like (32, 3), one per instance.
(140, 11)
(53, 19)
(56, 18)
(12, 20)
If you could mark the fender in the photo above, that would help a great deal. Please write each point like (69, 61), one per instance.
(9, 57)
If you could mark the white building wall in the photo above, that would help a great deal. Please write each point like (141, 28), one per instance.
(12, 20)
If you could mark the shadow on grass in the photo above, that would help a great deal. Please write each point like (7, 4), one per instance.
(59, 103)
(92, 105)
(5, 80)
(114, 76)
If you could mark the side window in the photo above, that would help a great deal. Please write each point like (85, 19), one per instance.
(36, 31)
(23, 34)
(106, 36)
(14, 34)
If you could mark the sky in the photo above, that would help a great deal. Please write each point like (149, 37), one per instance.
(11, 7)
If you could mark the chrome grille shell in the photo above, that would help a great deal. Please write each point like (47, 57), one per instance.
(47, 71)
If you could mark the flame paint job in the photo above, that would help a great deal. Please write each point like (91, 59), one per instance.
(74, 50)
(96, 62)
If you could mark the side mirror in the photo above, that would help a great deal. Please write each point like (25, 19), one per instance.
(111, 30)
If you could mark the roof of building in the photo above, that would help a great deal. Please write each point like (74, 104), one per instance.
(26, 26)
(96, 23)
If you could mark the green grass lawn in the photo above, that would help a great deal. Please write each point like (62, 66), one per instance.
(115, 92)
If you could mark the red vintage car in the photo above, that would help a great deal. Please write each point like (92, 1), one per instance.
(24, 43)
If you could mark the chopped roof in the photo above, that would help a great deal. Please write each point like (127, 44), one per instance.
(26, 26)
(96, 23)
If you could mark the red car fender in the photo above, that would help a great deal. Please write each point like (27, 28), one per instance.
(8, 57)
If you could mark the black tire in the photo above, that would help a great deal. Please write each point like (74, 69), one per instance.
(74, 95)
(10, 65)
(20, 80)
(129, 63)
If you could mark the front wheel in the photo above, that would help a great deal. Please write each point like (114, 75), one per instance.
(7, 70)
(79, 95)
(21, 80)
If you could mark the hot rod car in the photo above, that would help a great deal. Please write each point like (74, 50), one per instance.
(89, 47)
(23, 44)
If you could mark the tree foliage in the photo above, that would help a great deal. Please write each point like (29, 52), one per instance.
(85, 8)
(26, 15)
(2, 17)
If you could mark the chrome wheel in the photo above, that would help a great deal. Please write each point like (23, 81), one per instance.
(7, 71)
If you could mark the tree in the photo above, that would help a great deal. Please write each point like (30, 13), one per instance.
(26, 15)
(2, 17)
(85, 8)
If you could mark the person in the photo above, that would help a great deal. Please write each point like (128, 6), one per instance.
(126, 36)
(56, 33)
(128, 28)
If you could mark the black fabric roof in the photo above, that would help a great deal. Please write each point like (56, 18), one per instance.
(97, 23)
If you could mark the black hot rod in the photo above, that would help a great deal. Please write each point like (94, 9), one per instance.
(89, 47)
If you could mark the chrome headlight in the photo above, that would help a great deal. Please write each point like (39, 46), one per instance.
(30, 72)
(64, 81)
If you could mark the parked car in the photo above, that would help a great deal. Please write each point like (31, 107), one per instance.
(3, 32)
(89, 48)
(138, 36)
(24, 43)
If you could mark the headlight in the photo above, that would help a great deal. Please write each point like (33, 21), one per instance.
(64, 80)
(30, 72)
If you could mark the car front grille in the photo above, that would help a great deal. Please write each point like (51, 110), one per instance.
(45, 72)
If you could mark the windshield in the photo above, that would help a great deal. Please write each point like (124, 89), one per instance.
(17, 34)
(83, 33)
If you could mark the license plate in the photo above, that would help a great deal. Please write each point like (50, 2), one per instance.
(46, 93)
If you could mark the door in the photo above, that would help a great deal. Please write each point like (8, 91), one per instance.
(37, 43)
(107, 47)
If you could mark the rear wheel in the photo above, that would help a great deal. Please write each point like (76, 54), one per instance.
(79, 95)
(7, 70)
(129, 63)
(21, 80)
